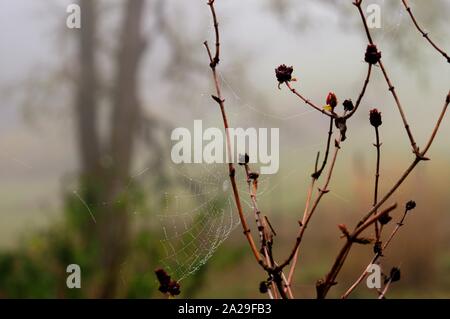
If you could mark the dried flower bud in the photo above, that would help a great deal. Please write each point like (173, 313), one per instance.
(332, 100)
(174, 288)
(244, 159)
(384, 219)
(166, 285)
(284, 73)
(410, 205)
(253, 175)
(348, 105)
(375, 118)
(263, 287)
(395, 274)
(162, 276)
(372, 55)
(378, 248)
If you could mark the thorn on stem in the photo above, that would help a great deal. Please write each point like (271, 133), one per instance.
(215, 98)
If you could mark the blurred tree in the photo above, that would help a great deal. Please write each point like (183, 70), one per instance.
(105, 169)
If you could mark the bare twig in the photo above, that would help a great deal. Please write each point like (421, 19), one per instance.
(307, 101)
(424, 34)
(419, 157)
(436, 127)
(361, 95)
(386, 287)
(318, 172)
(357, 3)
(265, 250)
(323, 286)
(388, 81)
(377, 177)
(252, 189)
(257, 213)
(302, 222)
(305, 214)
(377, 256)
(308, 215)
(232, 172)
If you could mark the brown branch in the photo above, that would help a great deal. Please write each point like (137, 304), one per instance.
(301, 223)
(388, 81)
(308, 215)
(377, 177)
(257, 214)
(377, 256)
(323, 286)
(357, 3)
(419, 157)
(424, 34)
(251, 183)
(265, 250)
(400, 108)
(361, 95)
(386, 287)
(216, 59)
(436, 127)
(308, 102)
(315, 176)
(232, 172)
(318, 172)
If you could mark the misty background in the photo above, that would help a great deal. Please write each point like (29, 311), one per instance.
(151, 76)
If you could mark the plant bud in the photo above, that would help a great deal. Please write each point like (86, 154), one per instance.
(372, 55)
(375, 118)
(332, 100)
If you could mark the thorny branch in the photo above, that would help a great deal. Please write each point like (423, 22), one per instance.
(376, 122)
(361, 95)
(307, 216)
(424, 34)
(264, 236)
(409, 206)
(391, 87)
(318, 172)
(323, 286)
(232, 171)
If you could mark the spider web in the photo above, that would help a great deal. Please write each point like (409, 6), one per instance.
(199, 219)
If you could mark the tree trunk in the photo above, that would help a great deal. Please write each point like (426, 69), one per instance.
(124, 123)
(86, 108)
